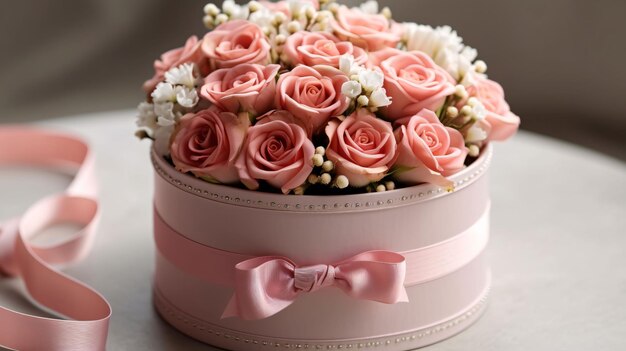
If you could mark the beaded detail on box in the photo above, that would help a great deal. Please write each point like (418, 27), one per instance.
(392, 198)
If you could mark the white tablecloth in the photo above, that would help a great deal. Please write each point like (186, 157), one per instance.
(558, 245)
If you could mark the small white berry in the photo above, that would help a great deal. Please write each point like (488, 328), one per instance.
(309, 12)
(452, 111)
(280, 17)
(211, 9)
(474, 150)
(323, 16)
(390, 185)
(299, 190)
(460, 91)
(320, 150)
(472, 101)
(280, 39)
(293, 26)
(313, 178)
(466, 110)
(363, 100)
(342, 182)
(480, 66)
(380, 188)
(221, 18)
(318, 160)
(325, 178)
(254, 6)
(208, 21)
(386, 12)
(328, 166)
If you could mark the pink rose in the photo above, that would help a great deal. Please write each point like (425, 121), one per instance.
(319, 48)
(191, 52)
(502, 122)
(207, 144)
(247, 87)
(428, 151)
(278, 151)
(370, 31)
(234, 43)
(413, 81)
(362, 147)
(312, 94)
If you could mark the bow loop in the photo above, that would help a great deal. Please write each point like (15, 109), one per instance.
(266, 285)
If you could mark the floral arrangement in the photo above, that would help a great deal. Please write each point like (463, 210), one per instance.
(310, 96)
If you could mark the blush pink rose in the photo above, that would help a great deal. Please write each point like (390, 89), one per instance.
(502, 123)
(234, 43)
(191, 52)
(278, 151)
(413, 81)
(319, 48)
(370, 31)
(312, 94)
(362, 147)
(428, 151)
(207, 144)
(247, 87)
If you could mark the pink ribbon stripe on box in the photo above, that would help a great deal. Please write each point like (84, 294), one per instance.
(265, 285)
(86, 313)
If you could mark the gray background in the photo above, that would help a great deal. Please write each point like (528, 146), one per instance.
(561, 62)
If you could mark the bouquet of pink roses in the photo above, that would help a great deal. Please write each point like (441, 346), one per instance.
(315, 97)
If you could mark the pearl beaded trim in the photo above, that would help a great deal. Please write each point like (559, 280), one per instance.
(416, 338)
(306, 203)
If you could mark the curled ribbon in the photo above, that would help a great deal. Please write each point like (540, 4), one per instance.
(266, 285)
(86, 312)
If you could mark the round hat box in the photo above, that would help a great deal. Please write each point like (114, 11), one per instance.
(200, 227)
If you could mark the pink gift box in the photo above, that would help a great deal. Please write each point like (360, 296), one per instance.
(442, 234)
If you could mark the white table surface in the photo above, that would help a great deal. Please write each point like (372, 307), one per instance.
(557, 250)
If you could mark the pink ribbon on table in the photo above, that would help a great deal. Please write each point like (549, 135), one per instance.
(266, 285)
(86, 312)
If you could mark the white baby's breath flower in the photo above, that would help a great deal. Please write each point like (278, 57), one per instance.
(165, 113)
(235, 11)
(431, 40)
(186, 97)
(346, 62)
(478, 110)
(371, 79)
(299, 8)
(351, 89)
(162, 138)
(146, 118)
(263, 18)
(379, 98)
(164, 92)
(370, 7)
(181, 75)
(469, 53)
(443, 45)
(475, 134)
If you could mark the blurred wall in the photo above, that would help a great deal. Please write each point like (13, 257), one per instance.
(561, 62)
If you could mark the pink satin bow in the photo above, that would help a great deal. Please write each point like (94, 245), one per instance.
(266, 285)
